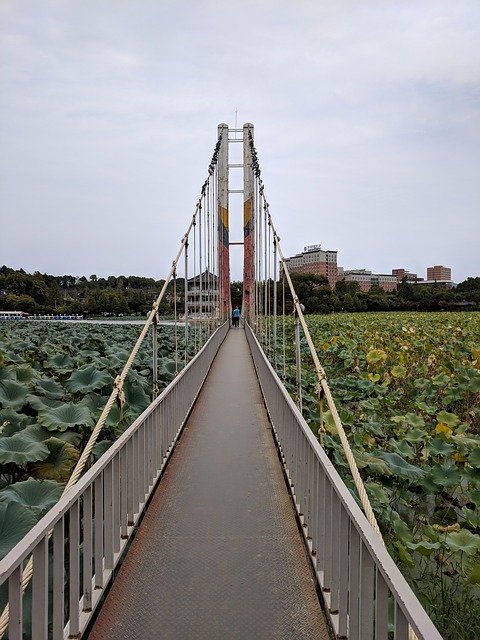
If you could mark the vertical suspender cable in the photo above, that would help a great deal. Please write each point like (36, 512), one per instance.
(176, 319)
(200, 278)
(186, 303)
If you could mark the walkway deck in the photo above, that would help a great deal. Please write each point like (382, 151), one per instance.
(218, 554)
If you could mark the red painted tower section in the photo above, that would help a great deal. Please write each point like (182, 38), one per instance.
(223, 224)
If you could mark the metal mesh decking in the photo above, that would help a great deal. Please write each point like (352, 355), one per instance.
(218, 554)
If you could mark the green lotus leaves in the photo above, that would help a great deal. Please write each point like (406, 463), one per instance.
(37, 495)
(376, 356)
(14, 421)
(62, 457)
(473, 576)
(449, 419)
(377, 493)
(7, 373)
(24, 374)
(87, 379)
(42, 402)
(438, 447)
(135, 396)
(65, 416)
(61, 362)
(445, 476)
(36, 432)
(398, 371)
(400, 467)
(16, 521)
(100, 448)
(19, 450)
(474, 458)
(465, 541)
(12, 394)
(424, 547)
(50, 388)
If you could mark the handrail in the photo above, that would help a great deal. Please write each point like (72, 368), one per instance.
(353, 567)
(113, 493)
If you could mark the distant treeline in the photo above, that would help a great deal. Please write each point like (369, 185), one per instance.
(133, 295)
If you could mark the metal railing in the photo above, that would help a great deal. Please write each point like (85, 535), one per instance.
(358, 578)
(78, 543)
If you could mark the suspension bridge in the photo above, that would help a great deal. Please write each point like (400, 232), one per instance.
(217, 514)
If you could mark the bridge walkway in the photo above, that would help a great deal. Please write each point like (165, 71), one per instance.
(218, 554)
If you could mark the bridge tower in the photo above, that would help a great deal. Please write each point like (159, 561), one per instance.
(223, 224)
(248, 223)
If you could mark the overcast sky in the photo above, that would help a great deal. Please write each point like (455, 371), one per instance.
(366, 115)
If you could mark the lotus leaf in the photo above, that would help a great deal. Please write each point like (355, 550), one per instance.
(50, 388)
(61, 362)
(401, 467)
(7, 373)
(415, 436)
(40, 403)
(377, 493)
(12, 394)
(19, 450)
(424, 547)
(474, 458)
(88, 379)
(375, 356)
(15, 522)
(24, 374)
(474, 383)
(100, 448)
(474, 574)
(465, 541)
(402, 448)
(438, 447)
(36, 432)
(445, 475)
(16, 421)
(374, 464)
(58, 465)
(37, 495)
(135, 396)
(449, 419)
(65, 416)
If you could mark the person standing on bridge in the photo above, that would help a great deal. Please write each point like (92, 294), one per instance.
(236, 316)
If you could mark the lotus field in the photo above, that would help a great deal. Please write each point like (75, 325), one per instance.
(407, 386)
(55, 379)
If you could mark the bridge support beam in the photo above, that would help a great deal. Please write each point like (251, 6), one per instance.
(248, 225)
(223, 224)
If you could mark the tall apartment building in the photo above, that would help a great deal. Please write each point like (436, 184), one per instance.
(314, 259)
(439, 273)
(367, 279)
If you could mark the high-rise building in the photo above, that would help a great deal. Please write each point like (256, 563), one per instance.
(439, 272)
(315, 260)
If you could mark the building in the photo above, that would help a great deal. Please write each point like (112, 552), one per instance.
(367, 279)
(439, 272)
(315, 260)
(202, 294)
(402, 274)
